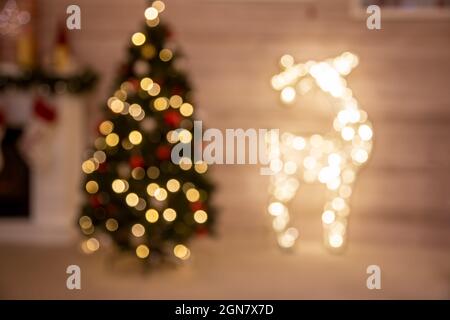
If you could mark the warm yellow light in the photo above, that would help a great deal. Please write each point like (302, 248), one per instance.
(365, 132)
(153, 172)
(135, 137)
(151, 189)
(159, 5)
(287, 239)
(169, 214)
(344, 117)
(152, 215)
(141, 205)
(327, 174)
(201, 167)
(187, 186)
(146, 84)
(181, 251)
(121, 94)
(175, 101)
(138, 39)
(324, 158)
(338, 203)
(119, 186)
(193, 195)
(336, 240)
(88, 231)
(309, 162)
(152, 23)
(173, 185)
(328, 217)
(360, 155)
(290, 167)
(106, 127)
(85, 222)
(288, 95)
(334, 159)
(132, 199)
(334, 183)
(117, 106)
(347, 133)
(92, 244)
(200, 216)
(111, 225)
(276, 208)
(316, 140)
(287, 61)
(155, 90)
(184, 136)
(142, 251)
(305, 85)
(88, 166)
(100, 143)
(148, 51)
(126, 144)
(172, 136)
(151, 13)
(276, 165)
(100, 156)
(348, 176)
(277, 82)
(185, 163)
(299, 143)
(112, 139)
(92, 187)
(161, 104)
(165, 55)
(186, 109)
(138, 173)
(345, 191)
(160, 194)
(138, 230)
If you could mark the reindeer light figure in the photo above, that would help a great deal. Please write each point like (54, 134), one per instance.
(332, 159)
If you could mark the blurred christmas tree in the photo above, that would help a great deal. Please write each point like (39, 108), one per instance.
(134, 193)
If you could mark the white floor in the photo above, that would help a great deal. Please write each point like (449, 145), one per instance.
(231, 267)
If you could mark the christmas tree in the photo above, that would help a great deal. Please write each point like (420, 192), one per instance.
(134, 193)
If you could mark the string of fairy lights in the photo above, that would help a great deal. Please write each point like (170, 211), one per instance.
(110, 139)
(332, 159)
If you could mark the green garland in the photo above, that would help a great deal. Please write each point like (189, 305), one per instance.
(76, 84)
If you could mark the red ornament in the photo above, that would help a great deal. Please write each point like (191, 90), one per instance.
(102, 167)
(95, 201)
(201, 231)
(135, 83)
(177, 90)
(172, 118)
(163, 152)
(44, 111)
(136, 162)
(169, 33)
(198, 205)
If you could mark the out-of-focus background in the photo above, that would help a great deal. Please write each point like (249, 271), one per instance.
(400, 218)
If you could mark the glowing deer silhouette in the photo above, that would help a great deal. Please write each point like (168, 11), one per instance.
(332, 159)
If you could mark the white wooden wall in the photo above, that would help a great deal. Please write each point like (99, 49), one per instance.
(402, 196)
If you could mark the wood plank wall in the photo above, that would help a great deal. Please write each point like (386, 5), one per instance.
(402, 196)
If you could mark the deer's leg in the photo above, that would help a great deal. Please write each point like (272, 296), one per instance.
(282, 189)
(335, 218)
